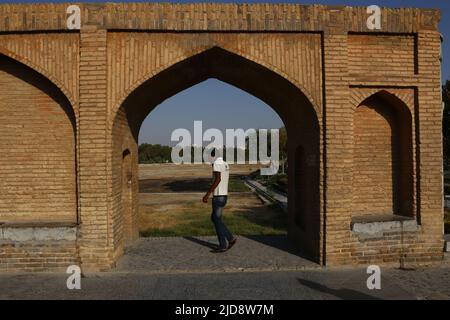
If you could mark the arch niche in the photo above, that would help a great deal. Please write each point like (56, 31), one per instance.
(38, 179)
(383, 160)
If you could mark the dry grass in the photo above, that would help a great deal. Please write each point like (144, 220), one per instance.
(183, 215)
(170, 170)
(177, 209)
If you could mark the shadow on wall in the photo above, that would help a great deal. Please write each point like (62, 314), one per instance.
(35, 79)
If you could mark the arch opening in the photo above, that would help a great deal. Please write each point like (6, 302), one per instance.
(292, 106)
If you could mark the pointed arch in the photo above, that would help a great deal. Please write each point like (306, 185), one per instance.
(209, 63)
(202, 50)
(296, 110)
(358, 96)
(383, 158)
(42, 71)
(38, 128)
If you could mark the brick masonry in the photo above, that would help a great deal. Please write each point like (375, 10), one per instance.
(362, 110)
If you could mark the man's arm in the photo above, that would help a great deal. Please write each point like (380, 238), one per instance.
(213, 186)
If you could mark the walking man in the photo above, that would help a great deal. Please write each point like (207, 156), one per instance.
(219, 189)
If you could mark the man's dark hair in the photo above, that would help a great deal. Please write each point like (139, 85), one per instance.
(213, 152)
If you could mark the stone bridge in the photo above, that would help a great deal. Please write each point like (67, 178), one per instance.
(362, 110)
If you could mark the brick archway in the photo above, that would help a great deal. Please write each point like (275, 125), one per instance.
(323, 58)
(288, 101)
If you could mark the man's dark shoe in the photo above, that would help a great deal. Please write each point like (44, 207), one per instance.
(219, 250)
(231, 243)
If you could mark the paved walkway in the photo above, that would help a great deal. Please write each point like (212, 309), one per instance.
(256, 268)
(192, 254)
(433, 283)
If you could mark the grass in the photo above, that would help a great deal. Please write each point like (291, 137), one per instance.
(447, 220)
(193, 219)
(236, 184)
(279, 182)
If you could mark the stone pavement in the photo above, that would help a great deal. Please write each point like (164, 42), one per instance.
(433, 283)
(192, 254)
(256, 268)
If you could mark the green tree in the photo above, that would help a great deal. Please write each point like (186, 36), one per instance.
(154, 153)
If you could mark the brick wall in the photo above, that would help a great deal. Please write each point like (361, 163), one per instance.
(37, 256)
(382, 54)
(317, 76)
(37, 146)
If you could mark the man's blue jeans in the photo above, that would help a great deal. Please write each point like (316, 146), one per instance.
(223, 234)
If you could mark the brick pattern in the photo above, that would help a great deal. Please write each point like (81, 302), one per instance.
(430, 136)
(124, 163)
(295, 57)
(210, 16)
(382, 55)
(400, 99)
(376, 160)
(52, 54)
(95, 232)
(328, 54)
(37, 166)
(405, 95)
(338, 147)
(37, 256)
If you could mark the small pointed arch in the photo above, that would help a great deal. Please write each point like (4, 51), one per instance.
(397, 98)
(383, 157)
(26, 62)
(37, 79)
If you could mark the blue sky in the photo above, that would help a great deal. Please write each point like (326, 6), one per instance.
(217, 103)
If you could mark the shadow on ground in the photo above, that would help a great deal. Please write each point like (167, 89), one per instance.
(280, 242)
(345, 294)
(192, 254)
(178, 184)
(201, 242)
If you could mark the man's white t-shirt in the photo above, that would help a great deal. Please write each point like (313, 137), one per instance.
(221, 166)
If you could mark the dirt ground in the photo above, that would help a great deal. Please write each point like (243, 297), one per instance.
(170, 203)
(169, 170)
